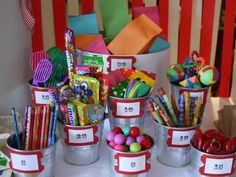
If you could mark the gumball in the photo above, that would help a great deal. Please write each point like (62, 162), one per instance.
(146, 144)
(135, 147)
(119, 147)
(208, 75)
(111, 136)
(117, 130)
(139, 139)
(126, 131)
(175, 73)
(112, 144)
(134, 132)
(119, 139)
(129, 140)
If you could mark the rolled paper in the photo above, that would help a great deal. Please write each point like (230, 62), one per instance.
(197, 111)
(15, 128)
(181, 111)
(192, 106)
(174, 105)
(187, 109)
(154, 113)
(162, 93)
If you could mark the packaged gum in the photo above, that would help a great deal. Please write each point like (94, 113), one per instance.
(71, 108)
(82, 112)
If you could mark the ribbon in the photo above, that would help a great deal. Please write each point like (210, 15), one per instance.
(27, 16)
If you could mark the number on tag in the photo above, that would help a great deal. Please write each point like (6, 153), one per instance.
(81, 136)
(128, 109)
(42, 97)
(218, 166)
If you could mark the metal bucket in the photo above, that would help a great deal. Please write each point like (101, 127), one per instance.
(35, 163)
(176, 91)
(204, 164)
(40, 95)
(81, 144)
(173, 144)
(127, 112)
(130, 164)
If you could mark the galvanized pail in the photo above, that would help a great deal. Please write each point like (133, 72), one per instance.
(133, 164)
(204, 164)
(127, 112)
(173, 144)
(81, 144)
(34, 163)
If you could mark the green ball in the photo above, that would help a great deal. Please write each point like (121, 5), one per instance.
(175, 73)
(135, 147)
(208, 75)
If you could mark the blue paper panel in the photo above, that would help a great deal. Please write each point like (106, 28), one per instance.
(159, 45)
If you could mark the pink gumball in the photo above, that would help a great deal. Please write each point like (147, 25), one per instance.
(119, 139)
(129, 140)
(139, 139)
(112, 144)
(119, 147)
(111, 136)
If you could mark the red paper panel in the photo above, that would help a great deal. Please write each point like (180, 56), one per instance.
(137, 3)
(163, 14)
(227, 50)
(37, 36)
(86, 6)
(59, 12)
(207, 29)
(185, 30)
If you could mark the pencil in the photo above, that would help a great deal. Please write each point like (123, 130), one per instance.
(187, 109)
(15, 128)
(197, 111)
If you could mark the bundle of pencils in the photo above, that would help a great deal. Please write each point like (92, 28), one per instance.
(164, 109)
(39, 129)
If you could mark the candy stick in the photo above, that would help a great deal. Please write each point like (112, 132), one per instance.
(35, 132)
(55, 124)
(155, 114)
(197, 111)
(174, 105)
(157, 100)
(28, 129)
(192, 106)
(168, 104)
(38, 108)
(40, 127)
(43, 127)
(165, 117)
(15, 128)
(31, 129)
(187, 109)
(45, 139)
(163, 103)
(181, 111)
(50, 126)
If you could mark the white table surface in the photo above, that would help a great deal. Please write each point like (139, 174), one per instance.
(101, 167)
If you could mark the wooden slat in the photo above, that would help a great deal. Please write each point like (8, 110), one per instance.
(233, 87)
(99, 16)
(227, 50)
(215, 31)
(196, 25)
(47, 24)
(59, 11)
(163, 13)
(86, 6)
(37, 36)
(207, 29)
(73, 7)
(185, 30)
(150, 2)
(173, 35)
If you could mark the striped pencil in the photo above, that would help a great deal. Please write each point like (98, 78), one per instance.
(192, 107)
(174, 105)
(155, 114)
(187, 109)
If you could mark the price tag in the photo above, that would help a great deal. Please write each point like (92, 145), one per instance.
(128, 108)
(26, 162)
(79, 136)
(41, 97)
(117, 62)
(197, 93)
(217, 166)
(132, 164)
(180, 138)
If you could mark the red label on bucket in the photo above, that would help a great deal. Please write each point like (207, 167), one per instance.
(132, 164)
(180, 138)
(26, 162)
(80, 136)
(217, 166)
(127, 108)
(40, 96)
(196, 93)
(117, 62)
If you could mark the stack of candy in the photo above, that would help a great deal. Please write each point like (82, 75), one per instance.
(193, 73)
(213, 142)
(130, 139)
(81, 102)
(131, 83)
(165, 111)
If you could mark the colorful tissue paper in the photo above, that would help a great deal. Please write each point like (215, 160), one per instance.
(135, 37)
(97, 46)
(83, 40)
(84, 24)
(159, 45)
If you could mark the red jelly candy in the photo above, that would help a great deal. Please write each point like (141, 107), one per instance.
(212, 150)
(117, 130)
(134, 132)
(210, 133)
(206, 144)
(220, 137)
(198, 133)
(146, 144)
(229, 148)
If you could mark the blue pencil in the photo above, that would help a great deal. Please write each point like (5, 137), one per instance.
(53, 137)
(15, 128)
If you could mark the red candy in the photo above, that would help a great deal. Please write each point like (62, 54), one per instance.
(117, 130)
(134, 132)
(146, 144)
(210, 133)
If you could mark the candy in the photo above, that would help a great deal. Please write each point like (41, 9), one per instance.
(129, 140)
(112, 144)
(111, 136)
(119, 147)
(139, 139)
(146, 144)
(119, 139)
(135, 147)
(82, 112)
(95, 112)
(208, 75)
(126, 130)
(117, 130)
(175, 73)
(72, 114)
(66, 93)
(134, 132)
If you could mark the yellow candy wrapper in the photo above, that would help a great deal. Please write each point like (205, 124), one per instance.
(82, 112)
